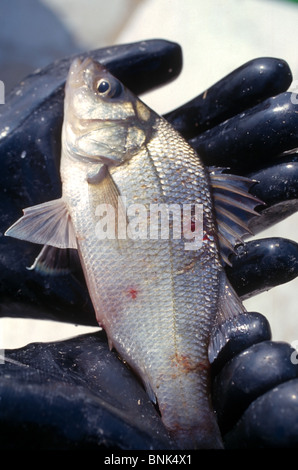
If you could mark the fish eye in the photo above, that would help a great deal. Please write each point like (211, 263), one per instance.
(110, 88)
(103, 86)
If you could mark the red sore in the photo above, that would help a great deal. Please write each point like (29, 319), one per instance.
(133, 293)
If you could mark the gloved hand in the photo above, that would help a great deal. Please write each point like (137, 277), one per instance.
(76, 393)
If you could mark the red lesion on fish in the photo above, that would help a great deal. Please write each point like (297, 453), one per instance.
(132, 293)
(209, 236)
(206, 237)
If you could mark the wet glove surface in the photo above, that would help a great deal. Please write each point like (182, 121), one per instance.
(72, 388)
(75, 394)
(255, 385)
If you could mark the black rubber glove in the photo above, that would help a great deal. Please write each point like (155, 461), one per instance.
(71, 388)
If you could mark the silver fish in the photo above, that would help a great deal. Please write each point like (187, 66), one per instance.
(157, 301)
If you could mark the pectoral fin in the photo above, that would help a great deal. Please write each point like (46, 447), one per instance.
(107, 193)
(97, 173)
(46, 224)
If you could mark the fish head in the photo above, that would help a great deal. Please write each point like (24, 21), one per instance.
(103, 121)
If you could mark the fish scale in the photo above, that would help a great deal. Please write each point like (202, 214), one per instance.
(157, 301)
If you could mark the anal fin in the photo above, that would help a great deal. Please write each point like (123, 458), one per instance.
(229, 309)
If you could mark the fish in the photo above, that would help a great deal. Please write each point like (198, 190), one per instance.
(158, 293)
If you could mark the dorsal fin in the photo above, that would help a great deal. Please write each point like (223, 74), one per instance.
(234, 206)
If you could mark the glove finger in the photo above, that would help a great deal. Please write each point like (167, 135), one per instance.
(247, 141)
(247, 376)
(73, 399)
(277, 187)
(232, 337)
(269, 422)
(243, 88)
(145, 65)
(259, 265)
